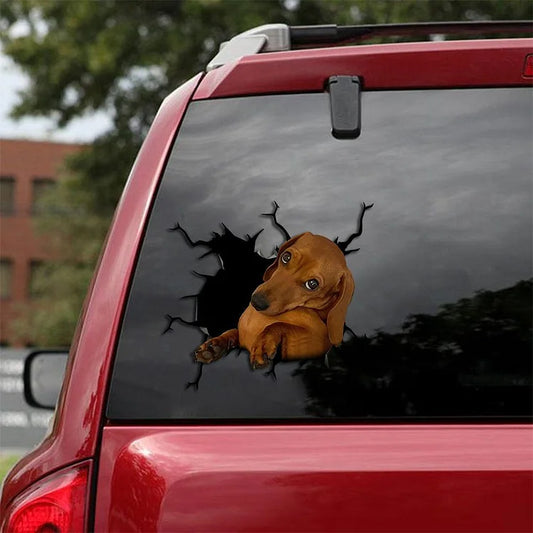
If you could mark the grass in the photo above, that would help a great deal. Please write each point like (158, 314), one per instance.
(6, 462)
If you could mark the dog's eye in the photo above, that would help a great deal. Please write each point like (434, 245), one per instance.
(311, 284)
(286, 257)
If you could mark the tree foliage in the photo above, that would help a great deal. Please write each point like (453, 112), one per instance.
(123, 57)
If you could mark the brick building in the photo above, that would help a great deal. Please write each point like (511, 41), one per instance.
(27, 170)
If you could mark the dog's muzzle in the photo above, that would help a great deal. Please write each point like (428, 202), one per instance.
(259, 301)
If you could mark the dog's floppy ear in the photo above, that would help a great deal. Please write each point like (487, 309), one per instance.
(272, 268)
(337, 313)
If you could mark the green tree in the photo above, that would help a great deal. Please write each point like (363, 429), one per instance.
(124, 57)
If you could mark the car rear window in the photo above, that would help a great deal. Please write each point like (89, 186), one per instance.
(435, 201)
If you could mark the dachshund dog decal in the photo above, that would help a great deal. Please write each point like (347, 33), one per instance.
(299, 309)
(289, 309)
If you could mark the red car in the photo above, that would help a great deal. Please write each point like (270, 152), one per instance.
(409, 410)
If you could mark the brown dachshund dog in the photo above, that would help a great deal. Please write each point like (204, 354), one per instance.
(299, 309)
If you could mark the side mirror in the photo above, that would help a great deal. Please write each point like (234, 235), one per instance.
(43, 377)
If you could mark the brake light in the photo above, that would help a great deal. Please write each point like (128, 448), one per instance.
(56, 504)
(528, 66)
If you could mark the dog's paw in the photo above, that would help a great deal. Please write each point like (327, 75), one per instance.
(212, 350)
(263, 352)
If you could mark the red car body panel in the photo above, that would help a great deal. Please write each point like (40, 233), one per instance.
(312, 477)
(315, 478)
(388, 66)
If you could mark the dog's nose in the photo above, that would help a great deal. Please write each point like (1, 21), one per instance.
(259, 301)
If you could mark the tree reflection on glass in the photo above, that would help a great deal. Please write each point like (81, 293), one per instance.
(472, 358)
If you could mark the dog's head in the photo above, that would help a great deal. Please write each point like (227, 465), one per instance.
(310, 271)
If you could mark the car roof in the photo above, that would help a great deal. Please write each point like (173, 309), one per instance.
(281, 37)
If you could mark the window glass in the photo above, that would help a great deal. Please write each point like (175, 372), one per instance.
(434, 200)
(41, 188)
(6, 278)
(7, 195)
(35, 281)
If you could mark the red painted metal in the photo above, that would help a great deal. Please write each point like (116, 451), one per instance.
(388, 66)
(79, 415)
(316, 478)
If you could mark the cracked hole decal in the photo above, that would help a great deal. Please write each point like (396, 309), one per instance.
(276, 309)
